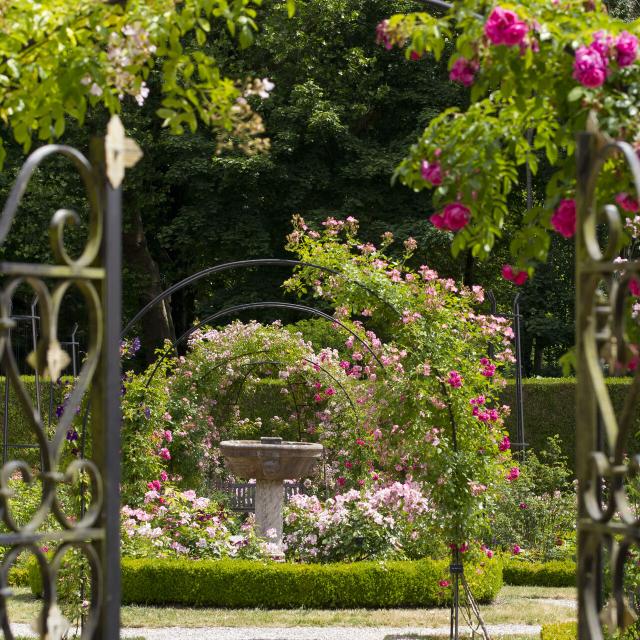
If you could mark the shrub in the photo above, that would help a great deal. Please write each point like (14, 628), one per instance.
(560, 631)
(388, 522)
(174, 523)
(19, 576)
(557, 573)
(247, 583)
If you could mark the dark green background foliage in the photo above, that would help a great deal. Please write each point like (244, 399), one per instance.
(549, 409)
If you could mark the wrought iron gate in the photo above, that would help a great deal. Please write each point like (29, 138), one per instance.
(96, 274)
(608, 527)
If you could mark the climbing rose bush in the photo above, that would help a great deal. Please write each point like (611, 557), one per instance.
(538, 72)
(428, 388)
(214, 392)
(384, 522)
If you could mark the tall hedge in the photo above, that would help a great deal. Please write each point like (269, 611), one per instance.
(550, 408)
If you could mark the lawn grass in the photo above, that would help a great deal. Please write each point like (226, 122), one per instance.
(514, 605)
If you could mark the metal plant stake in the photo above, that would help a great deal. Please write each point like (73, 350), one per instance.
(607, 525)
(96, 274)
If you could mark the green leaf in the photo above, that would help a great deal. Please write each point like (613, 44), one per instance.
(575, 94)
(291, 8)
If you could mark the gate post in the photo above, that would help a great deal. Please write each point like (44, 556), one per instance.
(96, 274)
(607, 526)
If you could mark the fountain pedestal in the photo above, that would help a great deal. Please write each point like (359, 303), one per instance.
(270, 461)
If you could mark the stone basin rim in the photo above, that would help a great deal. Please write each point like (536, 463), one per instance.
(285, 447)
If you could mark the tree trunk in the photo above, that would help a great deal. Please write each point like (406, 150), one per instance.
(157, 324)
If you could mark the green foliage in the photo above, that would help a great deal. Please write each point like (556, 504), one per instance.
(555, 573)
(560, 631)
(243, 583)
(19, 576)
(59, 60)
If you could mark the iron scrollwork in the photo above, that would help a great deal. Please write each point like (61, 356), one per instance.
(608, 525)
(95, 274)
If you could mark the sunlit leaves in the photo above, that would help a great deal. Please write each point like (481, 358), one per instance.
(59, 58)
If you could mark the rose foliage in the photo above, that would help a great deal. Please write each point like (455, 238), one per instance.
(539, 73)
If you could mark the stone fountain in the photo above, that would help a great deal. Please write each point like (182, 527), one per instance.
(270, 461)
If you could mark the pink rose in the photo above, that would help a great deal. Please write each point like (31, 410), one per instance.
(634, 287)
(464, 71)
(443, 584)
(505, 444)
(516, 550)
(455, 379)
(163, 476)
(514, 474)
(489, 553)
(517, 277)
(602, 43)
(589, 67)
(627, 202)
(626, 49)
(432, 172)
(563, 219)
(164, 453)
(504, 27)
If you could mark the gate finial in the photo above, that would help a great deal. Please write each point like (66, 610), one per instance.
(120, 152)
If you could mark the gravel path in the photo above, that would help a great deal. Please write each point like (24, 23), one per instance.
(304, 633)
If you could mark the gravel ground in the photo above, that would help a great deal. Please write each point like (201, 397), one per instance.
(303, 633)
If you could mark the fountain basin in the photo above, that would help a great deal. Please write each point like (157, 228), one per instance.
(270, 458)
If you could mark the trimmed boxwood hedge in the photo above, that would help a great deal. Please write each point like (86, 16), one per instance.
(556, 573)
(560, 631)
(247, 583)
(549, 409)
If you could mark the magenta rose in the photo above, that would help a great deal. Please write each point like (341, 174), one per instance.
(589, 67)
(626, 49)
(464, 71)
(432, 172)
(627, 202)
(602, 43)
(563, 219)
(517, 277)
(453, 217)
(456, 216)
(504, 27)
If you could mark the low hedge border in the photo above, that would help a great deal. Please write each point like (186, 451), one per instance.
(556, 573)
(246, 583)
(560, 631)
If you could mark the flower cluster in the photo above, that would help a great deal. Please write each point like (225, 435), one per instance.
(173, 523)
(592, 63)
(384, 522)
